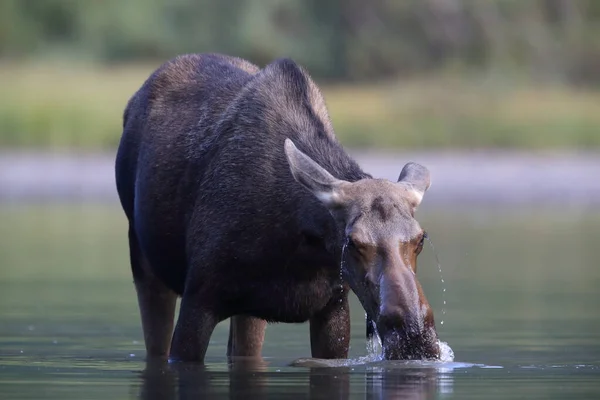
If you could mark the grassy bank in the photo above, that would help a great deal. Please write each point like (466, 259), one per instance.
(80, 107)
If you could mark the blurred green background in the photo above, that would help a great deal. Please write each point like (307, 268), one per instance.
(396, 74)
(500, 99)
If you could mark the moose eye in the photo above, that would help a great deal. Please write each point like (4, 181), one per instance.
(350, 244)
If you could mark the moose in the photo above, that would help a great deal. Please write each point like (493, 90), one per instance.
(241, 201)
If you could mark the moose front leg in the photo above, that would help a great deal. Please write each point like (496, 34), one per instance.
(330, 329)
(193, 330)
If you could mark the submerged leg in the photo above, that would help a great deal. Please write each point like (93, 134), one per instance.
(246, 336)
(330, 329)
(156, 303)
(193, 330)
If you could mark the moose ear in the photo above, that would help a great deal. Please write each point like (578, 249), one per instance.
(312, 176)
(418, 179)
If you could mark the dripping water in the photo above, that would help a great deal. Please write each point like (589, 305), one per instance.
(439, 265)
(446, 352)
(374, 345)
(343, 261)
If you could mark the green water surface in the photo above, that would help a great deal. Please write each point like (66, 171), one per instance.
(522, 315)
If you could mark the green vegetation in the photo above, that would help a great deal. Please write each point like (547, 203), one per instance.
(80, 107)
(396, 74)
(335, 39)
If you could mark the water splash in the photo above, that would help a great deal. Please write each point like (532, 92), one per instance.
(446, 352)
(375, 351)
(374, 345)
(439, 265)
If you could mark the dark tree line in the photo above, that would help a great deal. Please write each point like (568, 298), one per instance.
(335, 39)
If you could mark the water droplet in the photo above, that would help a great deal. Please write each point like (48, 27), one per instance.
(131, 355)
(342, 266)
(55, 341)
(31, 328)
(439, 265)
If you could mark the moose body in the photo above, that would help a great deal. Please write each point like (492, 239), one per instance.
(239, 199)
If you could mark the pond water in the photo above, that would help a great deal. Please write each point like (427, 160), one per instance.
(522, 315)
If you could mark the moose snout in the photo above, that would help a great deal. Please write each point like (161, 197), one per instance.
(405, 320)
(399, 327)
(407, 337)
(410, 324)
(399, 302)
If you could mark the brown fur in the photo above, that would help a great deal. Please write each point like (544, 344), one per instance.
(225, 211)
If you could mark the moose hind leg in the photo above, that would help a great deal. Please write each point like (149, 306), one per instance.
(246, 336)
(330, 329)
(156, 303)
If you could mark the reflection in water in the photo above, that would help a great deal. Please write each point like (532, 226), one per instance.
(410, 384)
(407, 382)
(70, 329)
(255, 379)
